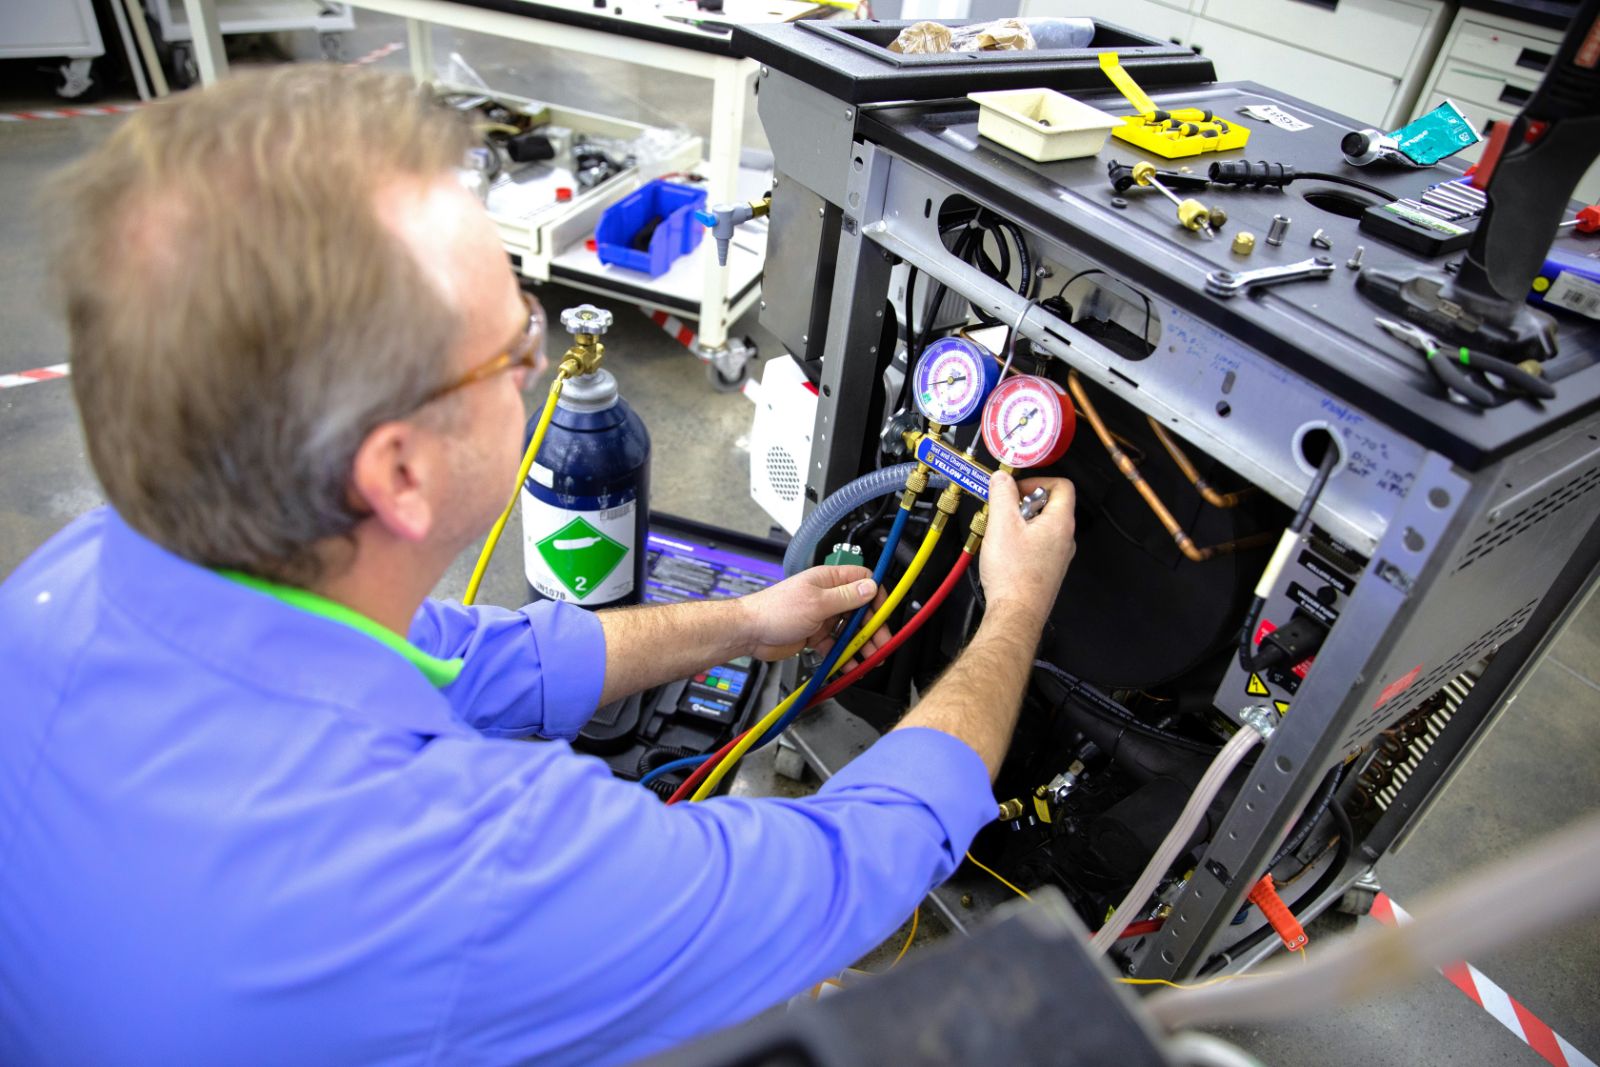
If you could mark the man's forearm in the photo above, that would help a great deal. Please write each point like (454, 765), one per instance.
(648, 646)
(977, 699)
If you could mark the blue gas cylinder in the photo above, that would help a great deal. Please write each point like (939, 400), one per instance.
(586, 502)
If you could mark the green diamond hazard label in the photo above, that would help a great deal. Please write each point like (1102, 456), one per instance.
(580, 556)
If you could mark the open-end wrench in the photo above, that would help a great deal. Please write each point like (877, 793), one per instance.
(1234, 282)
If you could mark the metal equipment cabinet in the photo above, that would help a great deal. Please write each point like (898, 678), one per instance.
(1489, 64)
(1367, 58)
(1471, 534)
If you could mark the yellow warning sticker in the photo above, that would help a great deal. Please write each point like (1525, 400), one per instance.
(1256, 687)
(1282, 706)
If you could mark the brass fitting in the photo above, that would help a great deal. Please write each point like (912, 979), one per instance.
(950, 499)
(1010, 809)
(976, 530)
(918, 480)
(1142, 172)
(1194, 215)
(583, 357)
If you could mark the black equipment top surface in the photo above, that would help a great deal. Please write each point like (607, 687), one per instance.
(1322, 329)
(613, 17)
(852, 61)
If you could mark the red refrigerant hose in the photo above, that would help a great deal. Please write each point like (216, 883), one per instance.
(844, 682)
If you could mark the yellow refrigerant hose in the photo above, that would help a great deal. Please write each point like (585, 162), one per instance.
(759, 730)
(516, 493)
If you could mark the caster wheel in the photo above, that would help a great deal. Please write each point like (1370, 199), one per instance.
(1357, 900)
(185, 71)
(724, 383)
(79, 81)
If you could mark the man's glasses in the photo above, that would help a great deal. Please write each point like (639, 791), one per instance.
(526, 351)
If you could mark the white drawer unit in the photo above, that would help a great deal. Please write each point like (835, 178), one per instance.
(1366, 58)
(1489, 66)
(1365, 95)
(1381, 35)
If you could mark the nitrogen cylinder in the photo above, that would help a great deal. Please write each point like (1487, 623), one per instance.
(586, 501)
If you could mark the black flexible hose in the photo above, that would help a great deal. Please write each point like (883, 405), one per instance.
(1024, 261)
(1097, 703)
(1316, 808)
(655, 757)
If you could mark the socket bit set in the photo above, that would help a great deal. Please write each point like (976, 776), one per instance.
(1438, 221)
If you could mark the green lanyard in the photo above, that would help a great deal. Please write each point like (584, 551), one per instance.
(439, 672)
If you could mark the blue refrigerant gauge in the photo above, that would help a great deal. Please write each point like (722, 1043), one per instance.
(953, 379)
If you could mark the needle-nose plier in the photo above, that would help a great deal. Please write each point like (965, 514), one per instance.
(1451, 368)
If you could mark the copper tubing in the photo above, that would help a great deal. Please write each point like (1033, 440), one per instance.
(1191, 472)
(1130, 470)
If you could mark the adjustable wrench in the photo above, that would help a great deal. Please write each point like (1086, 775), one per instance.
(1232, 283)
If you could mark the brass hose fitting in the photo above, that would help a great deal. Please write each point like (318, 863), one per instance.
(976, 530)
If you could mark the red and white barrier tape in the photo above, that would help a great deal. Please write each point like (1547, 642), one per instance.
(67, 112)
(28, 377)
(377, 53)
(681, 332)
(1506, 1009)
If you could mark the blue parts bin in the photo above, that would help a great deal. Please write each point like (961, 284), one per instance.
(667, 205)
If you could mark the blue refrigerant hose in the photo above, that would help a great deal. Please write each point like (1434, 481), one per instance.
(820, 676)
(879, 483)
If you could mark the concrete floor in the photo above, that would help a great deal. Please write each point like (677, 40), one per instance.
(1536, 772)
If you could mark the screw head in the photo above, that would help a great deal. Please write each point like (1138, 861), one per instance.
(586, 319)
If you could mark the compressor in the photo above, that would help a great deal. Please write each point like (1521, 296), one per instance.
(586, 498)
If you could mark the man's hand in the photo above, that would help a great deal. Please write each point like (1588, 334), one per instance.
(1024, 560)
(801, 612)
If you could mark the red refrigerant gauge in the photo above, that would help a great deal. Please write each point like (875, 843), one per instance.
(1028, 421)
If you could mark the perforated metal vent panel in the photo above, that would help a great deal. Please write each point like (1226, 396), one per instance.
(783, 474)
(1529, 515)
(1430, 682)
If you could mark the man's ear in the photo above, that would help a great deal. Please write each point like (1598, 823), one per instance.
(391, 468)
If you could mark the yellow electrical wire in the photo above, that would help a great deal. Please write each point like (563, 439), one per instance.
(516, 493)
(910, 937)
(1189, 985)
(979, 864)
(759, 730)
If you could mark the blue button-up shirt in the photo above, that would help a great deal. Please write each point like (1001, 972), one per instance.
(232, 831)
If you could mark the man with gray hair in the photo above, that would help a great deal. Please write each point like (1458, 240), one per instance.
(259, 800)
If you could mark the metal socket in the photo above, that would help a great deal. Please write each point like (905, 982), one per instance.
(1279, 227)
